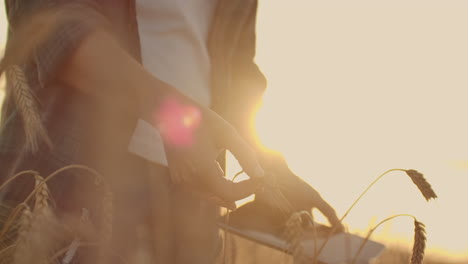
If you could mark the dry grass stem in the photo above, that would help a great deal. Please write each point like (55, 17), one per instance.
(422, 184)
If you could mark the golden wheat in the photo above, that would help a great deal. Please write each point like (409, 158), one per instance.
(417, 178)
(419, 245)
(18, 209)
(422, 184)
(107, 208)
(22, 243)
(419, 239)
(27, 106)
(294, 229)
(45, 233)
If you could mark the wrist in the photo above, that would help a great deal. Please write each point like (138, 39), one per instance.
(175, 116)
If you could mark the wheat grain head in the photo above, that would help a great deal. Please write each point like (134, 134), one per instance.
(419, 243)
(44, 234)
(424, 187)
(294, 229)
(22, 244)
(27, 106)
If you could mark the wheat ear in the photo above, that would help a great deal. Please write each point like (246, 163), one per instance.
(294, 229)
(44, 229)
(417, 178)
(27, 106)
(22, 243)
(422, 184)
(419, 245)
(16, 211)
(35, 238)
(419, 239)
(107, 206)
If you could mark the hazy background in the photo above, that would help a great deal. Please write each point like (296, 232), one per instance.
(359, 87)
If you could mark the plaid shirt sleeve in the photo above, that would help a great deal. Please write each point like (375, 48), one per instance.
(73, 20)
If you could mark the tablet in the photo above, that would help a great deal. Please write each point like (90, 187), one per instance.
(340, 249)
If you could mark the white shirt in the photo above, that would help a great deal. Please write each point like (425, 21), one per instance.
(173, 39)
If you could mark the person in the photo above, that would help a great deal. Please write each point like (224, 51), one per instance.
(147, 93)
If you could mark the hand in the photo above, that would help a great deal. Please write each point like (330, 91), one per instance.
(300, 195)
(193, 137)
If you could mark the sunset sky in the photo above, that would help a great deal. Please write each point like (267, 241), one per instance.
(360, 87)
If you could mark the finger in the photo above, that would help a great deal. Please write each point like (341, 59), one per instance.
(220, 202)
(244, 154)
(227, 190)
(209, 197)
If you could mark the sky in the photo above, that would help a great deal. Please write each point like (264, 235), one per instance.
(360, 87)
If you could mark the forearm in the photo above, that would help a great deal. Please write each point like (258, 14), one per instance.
(101, 68)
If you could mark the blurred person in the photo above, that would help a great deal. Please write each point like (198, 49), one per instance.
(149, 94)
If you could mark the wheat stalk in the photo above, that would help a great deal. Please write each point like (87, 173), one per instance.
(107, 224)
(27, 106)
(309, 219)
(422, 184)
(419, 239)
(44, 227)
(107, 208)
(44, 220)
(22, 243)
(15, 213)
(12, 178)
(419, 245)
(417, 178)
(27, 37)
(42, 197)
(35, 239)
(293, 232)
(295, 226)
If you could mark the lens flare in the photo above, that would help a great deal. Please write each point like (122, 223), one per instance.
(177, 122)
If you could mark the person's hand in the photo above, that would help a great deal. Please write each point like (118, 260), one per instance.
(193, 137)
(300, 195)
